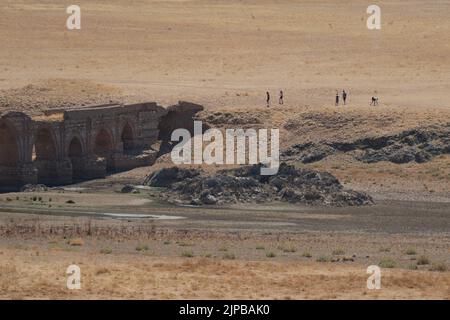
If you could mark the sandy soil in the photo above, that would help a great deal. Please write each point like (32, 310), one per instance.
(226, 54)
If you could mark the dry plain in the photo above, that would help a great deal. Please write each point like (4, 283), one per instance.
(225, 55)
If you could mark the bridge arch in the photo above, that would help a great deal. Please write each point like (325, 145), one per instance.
(44, 147)
(128, 137)
(104, 146)
(9, 148)
(75, 153)
(44, 155)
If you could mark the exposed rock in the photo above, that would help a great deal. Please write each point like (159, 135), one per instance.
(228, 118)
(167, 176)
(418, 145)
(34, 188)
(128, 189)
(208, 198)
(246, 185)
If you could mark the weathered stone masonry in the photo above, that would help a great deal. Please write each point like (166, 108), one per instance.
(66, 146)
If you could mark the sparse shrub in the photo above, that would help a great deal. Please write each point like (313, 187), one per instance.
(142, 247)
(106, 251)
(39, 198)
(49, 199)
(17, 198)
(8, 199)
(208, 255)
(260, 247)
(287, 248)
(412, 266)
(423, 260)
(166, 242)
(322, 259)
(385, 249)
(306, 254)
(223, 249)
(184, 244)
(386, 263)
(229, 256)
(34, 198)
(187, 254)
(338, 252)
(70, 201)
(440, 267)
(78, 242)
(411, 251)
(270, 254)
(102, 271)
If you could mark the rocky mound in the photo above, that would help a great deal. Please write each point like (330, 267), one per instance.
(34, 188)
(223, 119)
(417, 145)
(246, 185)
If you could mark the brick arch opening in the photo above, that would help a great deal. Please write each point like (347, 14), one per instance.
(127, 138)
(44, 156)
(44, 146)
(10, 178)
(9, 151)
(75, 155)
(103, 147)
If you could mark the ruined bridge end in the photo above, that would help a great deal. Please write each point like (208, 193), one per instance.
(66, 146)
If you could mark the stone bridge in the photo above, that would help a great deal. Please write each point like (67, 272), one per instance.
(66, 146)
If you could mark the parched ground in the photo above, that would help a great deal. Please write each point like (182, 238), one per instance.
(274, 251)
(225, 55)
(229, 53)
(36, 272)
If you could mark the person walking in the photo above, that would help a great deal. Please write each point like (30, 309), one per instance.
(344, 96)
(337, 98)
(280, 101)
(268, 98)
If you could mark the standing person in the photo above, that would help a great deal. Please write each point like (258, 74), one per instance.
(374, 101)
(280, 101)
(344, 96)
(268, 98)
(337, 98)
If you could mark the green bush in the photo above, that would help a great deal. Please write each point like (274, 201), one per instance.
(187, 254)
(229, 256)
(423, 260)
(441, 267)
(106, 251)
(386, 263)
(322, 259)
(338, 252)
(142, 247)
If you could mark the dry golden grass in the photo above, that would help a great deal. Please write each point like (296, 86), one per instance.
(140, 277)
